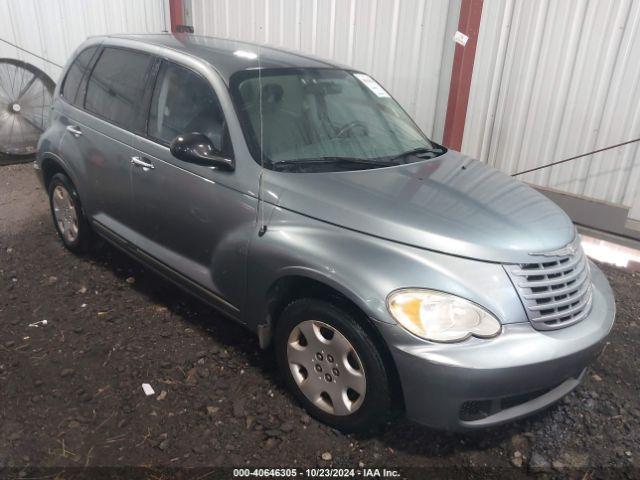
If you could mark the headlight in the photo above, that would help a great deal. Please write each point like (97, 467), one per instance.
(441, 317)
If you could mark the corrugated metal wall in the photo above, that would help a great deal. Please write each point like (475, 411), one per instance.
(553, 79)
(54, 28)
(405, 44)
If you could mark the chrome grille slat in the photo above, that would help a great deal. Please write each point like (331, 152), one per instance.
(543, 325)
(570, 299)
(564, 313)
(561, 291)
(562, 267)
(555, 291)
(554, 281)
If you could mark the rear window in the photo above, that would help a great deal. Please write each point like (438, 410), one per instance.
(76, 72)
(117, 84)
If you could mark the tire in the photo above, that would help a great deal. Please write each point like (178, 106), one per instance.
(362, 405)
(68, 217)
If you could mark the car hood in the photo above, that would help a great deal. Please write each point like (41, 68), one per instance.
(451, 204)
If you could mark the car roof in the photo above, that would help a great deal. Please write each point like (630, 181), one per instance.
(221, 53)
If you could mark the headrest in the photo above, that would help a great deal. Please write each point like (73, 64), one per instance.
(272, 93)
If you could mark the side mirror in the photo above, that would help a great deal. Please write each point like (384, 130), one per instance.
(197, 148)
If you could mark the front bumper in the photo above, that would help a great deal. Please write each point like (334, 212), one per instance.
(481, 383)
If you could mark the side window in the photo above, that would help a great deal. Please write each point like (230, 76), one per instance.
(184, 102)
(117, 84)
(74, 76)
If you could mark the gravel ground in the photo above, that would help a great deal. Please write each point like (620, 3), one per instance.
(71, 396)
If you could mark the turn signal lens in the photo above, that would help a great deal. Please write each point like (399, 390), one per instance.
(441, 317)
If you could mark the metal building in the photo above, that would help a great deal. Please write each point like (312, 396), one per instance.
(554, 79)
(406, 45)
(536, 82)
(54, 28)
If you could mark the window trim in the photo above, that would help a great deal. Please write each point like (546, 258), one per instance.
(142, 115)
(159, 141)
(128, 128)
(148, 99)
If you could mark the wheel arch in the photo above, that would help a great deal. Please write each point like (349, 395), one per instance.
(50, 165)
(308, 284)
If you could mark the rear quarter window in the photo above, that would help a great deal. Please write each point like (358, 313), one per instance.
(79, 68)
(117, 85)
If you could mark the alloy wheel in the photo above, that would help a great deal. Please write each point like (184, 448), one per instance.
(65, 214)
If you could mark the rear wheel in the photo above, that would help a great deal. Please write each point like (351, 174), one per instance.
(332, 366)
(70, 223)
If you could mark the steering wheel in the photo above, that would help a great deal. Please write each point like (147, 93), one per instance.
(356, 124)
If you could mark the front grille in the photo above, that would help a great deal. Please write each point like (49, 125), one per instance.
(556, 293)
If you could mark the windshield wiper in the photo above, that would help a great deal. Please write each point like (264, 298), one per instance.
(341, 160)
(416, 151)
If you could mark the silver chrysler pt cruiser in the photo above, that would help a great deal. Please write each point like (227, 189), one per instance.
(295, 196)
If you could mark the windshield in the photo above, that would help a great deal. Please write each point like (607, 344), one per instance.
(325, 120)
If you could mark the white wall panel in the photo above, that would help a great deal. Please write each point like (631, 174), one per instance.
(553, 79)
(405, 44)
(54, 28)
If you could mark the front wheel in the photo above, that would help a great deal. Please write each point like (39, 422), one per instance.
(332, 366)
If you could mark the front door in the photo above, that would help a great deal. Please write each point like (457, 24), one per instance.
(187, 217)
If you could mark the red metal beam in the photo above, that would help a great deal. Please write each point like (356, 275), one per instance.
(176, 13)
(469, 24)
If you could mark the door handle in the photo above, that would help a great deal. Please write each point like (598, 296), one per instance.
(74, 130)
(139, 162)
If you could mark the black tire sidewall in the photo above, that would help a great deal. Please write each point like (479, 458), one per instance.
(376, 406)
(80, 244)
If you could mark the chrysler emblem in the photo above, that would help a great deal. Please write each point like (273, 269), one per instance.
(566, 251)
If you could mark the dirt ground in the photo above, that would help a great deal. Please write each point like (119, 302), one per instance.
(71, 395)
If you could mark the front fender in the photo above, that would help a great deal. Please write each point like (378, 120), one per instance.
(365, 269)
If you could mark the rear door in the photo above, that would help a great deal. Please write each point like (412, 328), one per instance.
(188, 217)
(66, 116)
(105, 111)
